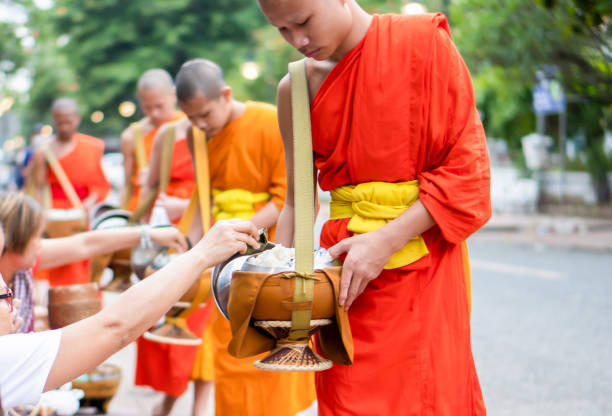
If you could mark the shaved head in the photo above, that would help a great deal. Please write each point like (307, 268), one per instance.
(155, 79)
(199, 76)
(65, 105)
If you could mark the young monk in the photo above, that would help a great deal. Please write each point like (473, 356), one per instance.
(395, 131)
(80, 156)
(168, 368)
(247, 179)
(158, 103)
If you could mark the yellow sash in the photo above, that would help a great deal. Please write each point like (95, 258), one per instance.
(371, 205)
(236, 203)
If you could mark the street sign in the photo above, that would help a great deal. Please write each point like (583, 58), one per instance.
(548, 98)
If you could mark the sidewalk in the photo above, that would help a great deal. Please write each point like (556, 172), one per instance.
(573, 233)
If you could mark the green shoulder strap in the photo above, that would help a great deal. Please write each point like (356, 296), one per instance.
(303, 199)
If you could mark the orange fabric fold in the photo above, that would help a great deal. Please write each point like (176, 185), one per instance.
(399, 107)
(248, 154)
(83, 167)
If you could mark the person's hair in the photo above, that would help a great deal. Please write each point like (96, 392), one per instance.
(155, 79)
(199, 76)
(21, 217)
(65, 105)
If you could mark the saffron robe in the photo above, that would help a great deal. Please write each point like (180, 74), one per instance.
(147, 142)
(398, 107)
(83, 167)
(248, 154)
(166, 367)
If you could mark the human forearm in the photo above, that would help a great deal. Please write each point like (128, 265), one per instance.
(284, 226)
(411, 223)
(144, 303)
(266, 217)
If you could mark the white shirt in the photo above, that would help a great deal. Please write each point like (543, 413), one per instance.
(25, 363)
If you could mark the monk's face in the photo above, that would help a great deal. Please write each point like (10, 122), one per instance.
(316, 28)
(66, 123)
(210, 116)
(158, 104)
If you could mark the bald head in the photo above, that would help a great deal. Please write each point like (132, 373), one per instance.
(65, 105)
(199, 76)
(155, 79)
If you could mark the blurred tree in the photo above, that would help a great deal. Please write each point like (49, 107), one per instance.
(506, 41)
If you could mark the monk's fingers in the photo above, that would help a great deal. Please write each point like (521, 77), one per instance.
(345, 282)
(340, 248)
(354, 291)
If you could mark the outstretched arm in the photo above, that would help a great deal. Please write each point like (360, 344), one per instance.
(144, 303)
(60, 251)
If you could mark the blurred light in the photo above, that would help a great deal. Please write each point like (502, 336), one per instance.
(250, 70)
(127, 109)
(5, 104)
(28, 42)
(21, 32)
(61, 11)
(414, 8)
(46, 130)
(62, 40)
(43, 4)
(97, 116)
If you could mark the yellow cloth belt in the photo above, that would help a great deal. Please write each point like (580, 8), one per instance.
(236, 203)
(371, 205)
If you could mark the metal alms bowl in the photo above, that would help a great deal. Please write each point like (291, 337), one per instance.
(222, 273)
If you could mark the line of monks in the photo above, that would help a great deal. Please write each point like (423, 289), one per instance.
(392, 115)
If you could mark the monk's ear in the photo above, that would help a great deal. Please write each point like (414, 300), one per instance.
(226, 93)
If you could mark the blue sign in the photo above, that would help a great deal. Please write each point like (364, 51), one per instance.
(548, 98)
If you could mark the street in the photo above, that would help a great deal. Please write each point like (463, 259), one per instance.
(542, 329)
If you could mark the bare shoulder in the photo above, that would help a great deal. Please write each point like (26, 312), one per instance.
(182, 127)
(316, 72)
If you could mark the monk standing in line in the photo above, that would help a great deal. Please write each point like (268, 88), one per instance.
(247, 179)
(168, 367)
(80, 156)
(158, 103)
(394, 125)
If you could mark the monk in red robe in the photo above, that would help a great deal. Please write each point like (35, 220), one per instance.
(168, 368)
(158, 103)
(80, 156)
(398, 142)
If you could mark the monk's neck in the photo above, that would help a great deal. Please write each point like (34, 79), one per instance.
(361, 24)
(62, 146)
(236, 111)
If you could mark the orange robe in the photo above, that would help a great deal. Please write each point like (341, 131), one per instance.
(147, 142)
(248, 154)
(166, 367)
(399, 107)
(83, 166)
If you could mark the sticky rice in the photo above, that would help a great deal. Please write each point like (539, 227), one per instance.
(278, 256)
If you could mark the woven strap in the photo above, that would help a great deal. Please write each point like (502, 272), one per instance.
(164, 175)
(61, 176)
(303, 199)
(139, 150)
(137, 140)
(166, 157)
(200, 147)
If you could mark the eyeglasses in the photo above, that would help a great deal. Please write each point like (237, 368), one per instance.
(8, 297)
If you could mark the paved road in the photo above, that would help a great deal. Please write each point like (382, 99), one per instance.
(542, 329)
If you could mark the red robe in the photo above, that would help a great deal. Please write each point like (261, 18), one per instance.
(398, 107)
(83, 166)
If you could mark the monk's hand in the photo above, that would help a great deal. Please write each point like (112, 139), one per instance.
(169, 237)
(175, 207)
(226, 238)
(366, 256)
